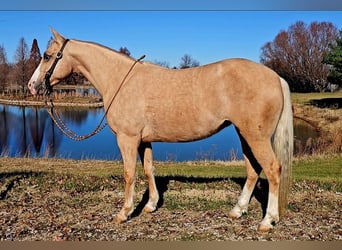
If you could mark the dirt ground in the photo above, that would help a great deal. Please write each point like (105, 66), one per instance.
(56, 207)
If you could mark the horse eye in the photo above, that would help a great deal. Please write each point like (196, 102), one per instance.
(46, 57)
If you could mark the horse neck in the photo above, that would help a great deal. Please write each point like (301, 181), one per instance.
(103, 67)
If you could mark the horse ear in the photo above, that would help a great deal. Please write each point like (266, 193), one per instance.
(58, 37)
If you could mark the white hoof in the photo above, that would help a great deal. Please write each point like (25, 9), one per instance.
(265, 228)
(268, 222)
(237, 212)
(149, 208)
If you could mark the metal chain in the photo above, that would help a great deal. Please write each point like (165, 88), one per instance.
(55, 116)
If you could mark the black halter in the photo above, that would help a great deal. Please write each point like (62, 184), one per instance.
(48, 87)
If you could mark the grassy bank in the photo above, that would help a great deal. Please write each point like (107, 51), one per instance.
(319, 111)
(63, 96)
(321, 168)
(305, 98)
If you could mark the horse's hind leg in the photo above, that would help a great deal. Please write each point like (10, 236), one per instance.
(253, 171)
(272, 169)
(146, 156)
(259, 156)
(264, 155)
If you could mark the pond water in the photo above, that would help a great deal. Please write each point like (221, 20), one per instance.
(29, 131)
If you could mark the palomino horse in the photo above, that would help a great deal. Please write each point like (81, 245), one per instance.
(152, 103)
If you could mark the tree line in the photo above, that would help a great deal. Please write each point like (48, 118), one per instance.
(187, 61)
(308, 57)
(19, 72)
(16, 75)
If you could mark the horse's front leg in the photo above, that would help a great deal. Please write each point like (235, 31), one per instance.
(145, 152)
(128, 146)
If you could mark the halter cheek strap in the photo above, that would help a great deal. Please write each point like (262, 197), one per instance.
(47, 83)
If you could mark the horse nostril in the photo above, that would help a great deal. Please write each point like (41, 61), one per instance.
(31, 84)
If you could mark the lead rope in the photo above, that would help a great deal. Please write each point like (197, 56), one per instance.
(56, 118)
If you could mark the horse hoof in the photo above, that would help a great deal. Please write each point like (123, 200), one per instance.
(264, 228)
(149, 209)
(119, 219)
(235, 213)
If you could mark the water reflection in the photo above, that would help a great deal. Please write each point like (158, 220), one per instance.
(29, 131)
(305, 137)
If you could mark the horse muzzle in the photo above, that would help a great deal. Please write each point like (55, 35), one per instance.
(35, 87)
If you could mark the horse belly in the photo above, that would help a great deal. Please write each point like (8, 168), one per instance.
(182, 127)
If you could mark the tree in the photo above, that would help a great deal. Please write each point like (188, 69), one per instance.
(125, 51)
(188, 62)
(164, 64)
(74, 79)
(21, 74)
(34, 58)
(334, 60)
(297, 55)
(4, 67)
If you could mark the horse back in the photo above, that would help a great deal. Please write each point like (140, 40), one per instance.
(191, 104)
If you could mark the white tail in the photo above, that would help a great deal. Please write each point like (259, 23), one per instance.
(283, 146)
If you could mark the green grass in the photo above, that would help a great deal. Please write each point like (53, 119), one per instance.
(319, 168)
(201, 169)
(314, 168)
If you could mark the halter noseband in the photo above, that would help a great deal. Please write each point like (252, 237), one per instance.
(47, 84)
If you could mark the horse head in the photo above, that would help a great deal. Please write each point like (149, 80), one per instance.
(54, 66)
